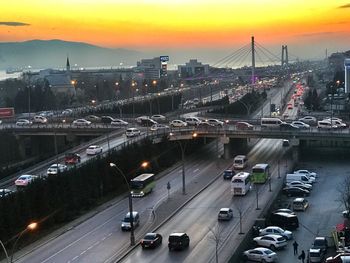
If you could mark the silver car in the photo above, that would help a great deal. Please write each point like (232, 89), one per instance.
(277, 231)
(260, 254)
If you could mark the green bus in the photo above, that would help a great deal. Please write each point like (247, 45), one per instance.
(142, 185)
(260, 173)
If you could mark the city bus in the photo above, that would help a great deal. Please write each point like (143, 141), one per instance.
(240, 162)
(240, 183)
(260, 173)
(142, 185)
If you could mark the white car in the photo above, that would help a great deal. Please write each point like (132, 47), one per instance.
(25, 179)
(338, 122)
(39, 119)
(119, 122)
(300, 184)
(260, 254)
(309, 120)
(23, 122)
(306, 172)
(158, 118)
(215, 122)
(277, 231)
(301, 125)
(131, 132)
(94, 149)
(56, 168)
(192, 121)
(67, 112)
(158, 127)
(225, 214)
(271, 241)
(81, 122)
(178, 123)
(139, 119)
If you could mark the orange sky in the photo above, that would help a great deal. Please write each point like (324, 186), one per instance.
(141, 24)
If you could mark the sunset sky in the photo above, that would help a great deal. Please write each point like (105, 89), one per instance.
(304, 25)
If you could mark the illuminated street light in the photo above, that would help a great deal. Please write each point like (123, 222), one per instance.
(30, 227)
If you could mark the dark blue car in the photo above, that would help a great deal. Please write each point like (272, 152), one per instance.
(228, 174)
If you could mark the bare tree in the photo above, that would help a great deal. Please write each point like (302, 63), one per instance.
(217, 238)
(239, 205)
(344, 193)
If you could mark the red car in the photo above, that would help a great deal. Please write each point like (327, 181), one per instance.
(72, 158)
(242, 125)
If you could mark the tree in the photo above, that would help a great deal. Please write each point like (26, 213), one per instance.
(344, 193)
(216, 236)
(239, 205)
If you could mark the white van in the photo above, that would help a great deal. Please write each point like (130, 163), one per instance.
(325, 124)
(298, 177)
(240, 162)
(270, 122)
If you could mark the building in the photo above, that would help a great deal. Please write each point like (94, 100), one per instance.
(347, 74)
(150, 68)
(193, 68)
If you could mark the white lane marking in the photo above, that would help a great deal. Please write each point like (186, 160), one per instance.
(76, 257)
(196, 170)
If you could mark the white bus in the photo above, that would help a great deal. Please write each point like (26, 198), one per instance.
(240, 183)
(240, 162)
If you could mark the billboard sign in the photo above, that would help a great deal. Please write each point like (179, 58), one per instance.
(7, 112)
(164, 58)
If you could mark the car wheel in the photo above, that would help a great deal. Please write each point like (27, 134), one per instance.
(272, 247)
(263, 261)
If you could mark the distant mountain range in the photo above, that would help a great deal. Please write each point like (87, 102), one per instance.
(53, 53)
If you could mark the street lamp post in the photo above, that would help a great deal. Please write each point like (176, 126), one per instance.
(132, 235)
(30, 227)
(257, 196)
(5, 251)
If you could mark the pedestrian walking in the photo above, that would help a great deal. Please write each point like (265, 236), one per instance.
(302, 256)
(295, 247)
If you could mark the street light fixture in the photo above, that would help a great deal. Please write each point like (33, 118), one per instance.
(132, 236)
(30, 227)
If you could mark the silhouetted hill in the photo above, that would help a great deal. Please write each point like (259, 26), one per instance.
(53, 53)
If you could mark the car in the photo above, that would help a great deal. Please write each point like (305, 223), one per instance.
(178, 241)
(93, 118)
(228, 174)
(67, 112)
(299, 184)
(340, 258)
(285, 143)
(242, 125)
(225, 214)
(326, 125)
(147, 122)
(56, 168)
(81, 122)
(106, 119)
(192, 121)
(284, 220)
(39, 119)
(288, 126)
(260, 254)
(321, 243)
(315, 255)
(295, 191)
(159, 127)
(300, 204)
(158, 118)
(277, 231)
(139, 119)
(271, 241)
(284, 210)
(337, 122)
(307, 173)
(151, 240)
(309, 120)
(215, 122)
(204, 125)
(126, 222)
(72, 158)
(132, 132)
(23, 122)
(119, 123)
(178, 123)
(5, 192)
(301, 125)
(94, 149)
(25, 179)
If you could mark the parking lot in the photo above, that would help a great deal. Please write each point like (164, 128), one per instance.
(324, 211)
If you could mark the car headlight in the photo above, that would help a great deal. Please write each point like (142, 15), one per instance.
(142, 193)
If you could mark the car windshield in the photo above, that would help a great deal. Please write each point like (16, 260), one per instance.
(268, 251)
(280, 239)
(150, 237)
(319, 242)
(224, 212)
